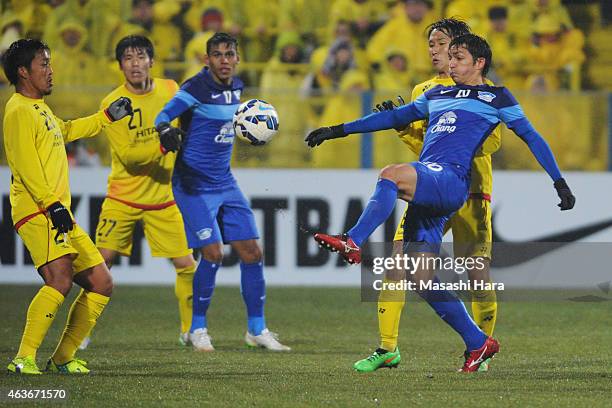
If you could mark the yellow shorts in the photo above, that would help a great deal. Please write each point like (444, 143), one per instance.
(164, 229)
(45, 245)
(471, 226)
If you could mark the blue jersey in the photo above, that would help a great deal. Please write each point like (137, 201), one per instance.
(206, 108)
(460, 118)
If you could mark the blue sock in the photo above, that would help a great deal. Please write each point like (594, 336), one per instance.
(253, 289)
(379, 208)
(203, 287)
(451, 309)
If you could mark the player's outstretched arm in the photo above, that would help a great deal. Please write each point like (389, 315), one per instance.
(387, 119)
(92, 125)
(542, 152)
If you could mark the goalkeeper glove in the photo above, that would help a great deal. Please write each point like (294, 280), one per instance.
(565, 194)
(119, 109)
(170, 137)
(318, 136)
(60, 217)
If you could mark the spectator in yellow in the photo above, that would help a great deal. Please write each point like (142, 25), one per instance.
(11, 28)
(364, 16)
(78, 67)
(77, 9)
(231, 10)
(342, 31)
(508, 66)
(280, 85)
(555, 57)
(211, 22)
(261, 29)
(310, 18)
(340, 108)
(395, 74)
(554, 9)
(405, 33)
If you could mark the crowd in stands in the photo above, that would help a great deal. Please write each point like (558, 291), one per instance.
(302, 47)
(535, 43)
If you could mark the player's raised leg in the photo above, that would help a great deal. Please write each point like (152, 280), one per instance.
(395, 181)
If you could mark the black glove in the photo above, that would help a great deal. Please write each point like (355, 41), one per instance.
(119, 109)
(170, 137)
(60, 217)
(389, 104)
(565, 194)
(318, 136)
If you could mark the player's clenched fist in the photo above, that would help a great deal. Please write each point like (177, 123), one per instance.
(119, 109)
(565, 194)
(318, 136)
(60, 217)
(170, 137)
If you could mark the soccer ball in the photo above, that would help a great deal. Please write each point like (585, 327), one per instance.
(256, 121)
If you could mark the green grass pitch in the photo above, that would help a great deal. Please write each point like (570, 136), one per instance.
(552, 354)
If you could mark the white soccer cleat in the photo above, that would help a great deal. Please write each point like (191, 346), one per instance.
(184, 339)
(201, 341)
(85, 343)
(266, 339)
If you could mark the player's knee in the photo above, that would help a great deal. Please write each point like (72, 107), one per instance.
(184, 264)
(213, 254)
(251, 254)
(106, 286)
(60, 283)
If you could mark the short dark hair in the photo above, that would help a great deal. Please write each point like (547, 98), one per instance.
(20, 54)
(497, 13)
(136, 42)
(477, 47)
(220, 38)
(452, 27)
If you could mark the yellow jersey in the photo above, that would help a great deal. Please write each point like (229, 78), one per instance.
(140, 174)
(482, 169)
(34, 141)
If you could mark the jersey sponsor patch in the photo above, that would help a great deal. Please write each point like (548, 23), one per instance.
(204, 234)
(226, 134)
(446, 123)
(486, 96)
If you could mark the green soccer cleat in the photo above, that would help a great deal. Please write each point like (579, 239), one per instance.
(379, 359)
(484, 366)
(24, 365)
(75, 366)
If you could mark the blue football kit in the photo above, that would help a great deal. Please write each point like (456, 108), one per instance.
(460, 118)
(213, 207)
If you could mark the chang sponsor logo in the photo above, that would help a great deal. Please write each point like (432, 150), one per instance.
(226, 134)
(446, 123)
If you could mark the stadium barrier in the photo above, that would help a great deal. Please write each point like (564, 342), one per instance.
(291, 204)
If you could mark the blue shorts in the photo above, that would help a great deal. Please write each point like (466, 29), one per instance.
(440, 191)
(220, 216)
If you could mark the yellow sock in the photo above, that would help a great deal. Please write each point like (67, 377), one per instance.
(183, 289)
(484, 309)
(41, 314)
(390, 306)
(84, 313)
